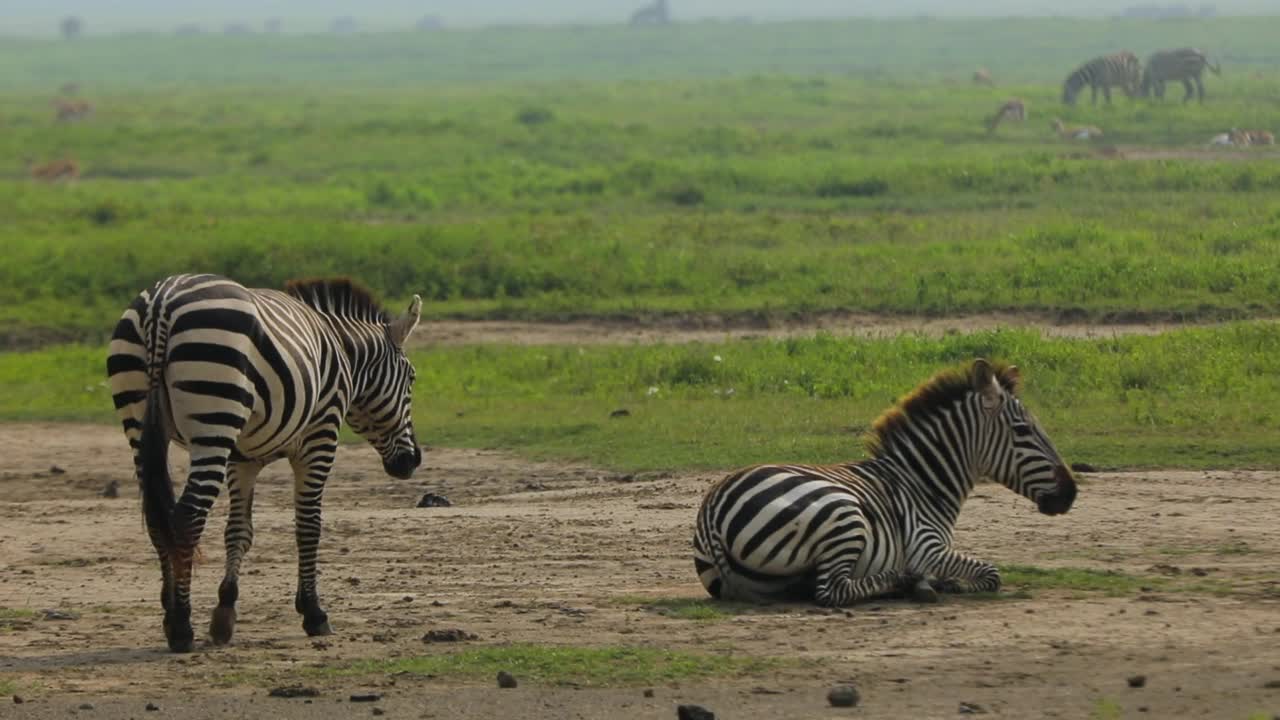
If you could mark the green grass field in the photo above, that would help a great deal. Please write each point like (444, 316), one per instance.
(601, 171)
(1193, 398)
(706, 168)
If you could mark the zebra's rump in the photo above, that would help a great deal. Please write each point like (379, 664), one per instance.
(771, 524)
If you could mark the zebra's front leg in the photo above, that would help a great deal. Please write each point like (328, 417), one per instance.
(951, 571)
(310, 470)
(241, 478)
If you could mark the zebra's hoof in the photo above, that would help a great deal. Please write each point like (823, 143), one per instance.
(223, 625)
(182, 640)
(320, 628)
(923, 592)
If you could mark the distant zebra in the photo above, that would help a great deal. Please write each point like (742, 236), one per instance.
(982, 76)
(241, 378)
(1117, 70)
(1184, 64)
(655, 13)
(837, 534)
(71, 110)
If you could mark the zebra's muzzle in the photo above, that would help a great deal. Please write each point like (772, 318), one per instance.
(402, 464)
(1061, 499)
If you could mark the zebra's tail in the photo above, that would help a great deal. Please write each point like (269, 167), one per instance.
(157, 489)
(1215, 69)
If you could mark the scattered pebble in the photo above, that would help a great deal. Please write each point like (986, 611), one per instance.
(620, 412)
(968, 708)
(379, 711)
(17, 700)
(433, 500)
(152, 707)
(449, 635)
(506, 680)
(694, 712)
(1083, 467)
(55, 470)
(86, 706)
(59, 615)
(1137, 681)
(1272, 684)
(647, 693)
(112, 489)
(365, 697)
(842, 696)
(293, 691)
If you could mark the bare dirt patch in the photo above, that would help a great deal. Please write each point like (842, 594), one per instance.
(560, 555)
(720, 328)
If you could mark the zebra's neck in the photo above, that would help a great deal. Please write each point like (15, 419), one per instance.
(937, 459)
(363, 345)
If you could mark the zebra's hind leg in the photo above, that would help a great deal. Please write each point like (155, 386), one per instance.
(241, 477)
(1189, 91)
(209, 458)
(836, 586)
(310, 470)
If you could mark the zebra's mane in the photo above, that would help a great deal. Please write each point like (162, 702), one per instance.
(940, 391)
(340, 297)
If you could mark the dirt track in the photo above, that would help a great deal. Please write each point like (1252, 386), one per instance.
(717, 328)
(545, 554)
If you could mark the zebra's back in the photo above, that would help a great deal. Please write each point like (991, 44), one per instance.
(1176, 64)
(762, 531)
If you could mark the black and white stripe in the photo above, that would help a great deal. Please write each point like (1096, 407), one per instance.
(243, 377)
(837, 534)
(1185, 65)
(1103, 73)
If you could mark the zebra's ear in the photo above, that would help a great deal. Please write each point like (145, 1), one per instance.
(402, 326)
(986, 385)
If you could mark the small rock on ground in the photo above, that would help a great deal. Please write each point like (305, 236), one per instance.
(379, 711)
(1083, 467)
(506, 680)
(112, 489)
(694, 712)
(365, 697)
(433, 500)
(448, 635)
(843, 696)
(293, 691)
(968, 708)
(152, 707)
(1137, 681)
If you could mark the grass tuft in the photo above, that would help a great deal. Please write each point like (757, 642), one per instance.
(561, 665)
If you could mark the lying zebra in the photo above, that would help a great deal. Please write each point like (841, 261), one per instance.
(837, 534)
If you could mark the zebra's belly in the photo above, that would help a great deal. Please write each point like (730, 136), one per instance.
(818, 535)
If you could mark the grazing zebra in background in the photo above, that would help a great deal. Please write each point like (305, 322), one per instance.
(241, 378)
(842, 533)
(1120, 69)
(1013, 109)
(1184, 64)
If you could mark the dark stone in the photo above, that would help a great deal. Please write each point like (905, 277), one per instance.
(293, 691)
(647, 693)
(59, 615)
(152, 707)
(506, 680)
(968, 708)
(17, 700)
(1083, 467)
(620, 412)
(365, 697)
(1137, 681)
(449, 635)
(111, 490)
(1272, 684)
(86, 706)
(843, 696)
(433, 500)
(55, 470)
(694, 712)
(379, 711)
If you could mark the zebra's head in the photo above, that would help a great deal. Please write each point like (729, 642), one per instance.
(383, 411)
(1015, 450)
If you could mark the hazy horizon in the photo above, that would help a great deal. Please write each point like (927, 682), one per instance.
(41, 17)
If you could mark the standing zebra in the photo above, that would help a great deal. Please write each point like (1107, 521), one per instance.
(838, 534)
(1184, 64)
(1120, 69)
(241, 378)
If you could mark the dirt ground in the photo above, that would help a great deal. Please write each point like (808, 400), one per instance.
(545, 553)
(721, 328)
